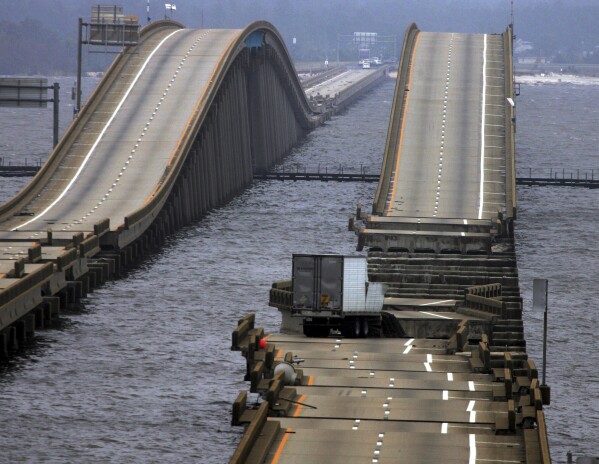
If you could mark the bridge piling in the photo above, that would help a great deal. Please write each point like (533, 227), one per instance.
(251, 111)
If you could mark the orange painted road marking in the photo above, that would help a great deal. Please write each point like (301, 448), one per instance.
(275, 459)
(310, 380)
(299, 406)
(403, 120)
(279, 352)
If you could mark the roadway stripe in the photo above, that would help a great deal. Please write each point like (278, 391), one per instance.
(310, 380)
(444, 427)
(277, 455)
(435, 302)
(482, 131)
(299, 408)
(407, 350)
(472, 449)
(403, 119)
(471, 385)
(93, 148)
(195, 111)
(435, 315)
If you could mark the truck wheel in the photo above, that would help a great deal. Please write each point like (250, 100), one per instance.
(350, 327)
(364, 329)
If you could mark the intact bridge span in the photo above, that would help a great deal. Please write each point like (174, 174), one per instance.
(178, 125)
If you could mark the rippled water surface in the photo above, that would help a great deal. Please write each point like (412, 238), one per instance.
(143, 373)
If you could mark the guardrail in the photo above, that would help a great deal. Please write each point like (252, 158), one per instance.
(558, 173)
(56, 157)
(510, 129)
(323, 76)
(486, 298)
(274, 41)
(396, 120)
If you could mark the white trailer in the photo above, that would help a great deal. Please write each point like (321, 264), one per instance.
(333, 292)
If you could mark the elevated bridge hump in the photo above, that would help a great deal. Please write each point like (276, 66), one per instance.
(446, 155)
(123, 153)
(449, 151)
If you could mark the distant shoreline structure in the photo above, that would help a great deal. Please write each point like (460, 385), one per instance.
(591, 70)
(556, 79)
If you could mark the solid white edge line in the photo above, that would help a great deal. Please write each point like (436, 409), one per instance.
(407, 350)
(409, 342)
(92, 149)
(444, 427)
(450, 376)
(435, 315)
(445, 395)
(435, 302)
(429, 358)
(470, 406)
(428, 368)
(482, 130)
(472, 459)
(471, 385)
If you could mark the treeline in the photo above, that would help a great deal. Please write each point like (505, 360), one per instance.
(27, 47)
(41, 35)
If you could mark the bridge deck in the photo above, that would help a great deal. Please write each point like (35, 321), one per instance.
(121, 154)
(450, 158)
(380, 400)
(461, 388)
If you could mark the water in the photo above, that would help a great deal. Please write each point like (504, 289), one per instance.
(144, 373)
(556, 238)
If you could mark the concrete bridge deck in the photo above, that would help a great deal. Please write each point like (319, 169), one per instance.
(177, 126)
(446, 377)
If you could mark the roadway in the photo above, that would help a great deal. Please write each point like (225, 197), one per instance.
(118, 159)
(450, 160)
(339, 82)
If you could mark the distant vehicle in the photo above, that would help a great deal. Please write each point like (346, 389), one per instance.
(366, 65)
(377, 61)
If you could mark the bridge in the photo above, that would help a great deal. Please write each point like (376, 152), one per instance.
(181, 123)
(177, 126)
(444, 376)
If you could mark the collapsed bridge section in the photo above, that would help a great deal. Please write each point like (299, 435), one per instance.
(447, 181)
(454, 383)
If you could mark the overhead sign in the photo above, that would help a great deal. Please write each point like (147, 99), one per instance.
(110, 27)
(24, 92)
(365, 38)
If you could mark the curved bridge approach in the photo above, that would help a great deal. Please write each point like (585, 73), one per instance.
(448, 170)
(186, 116)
